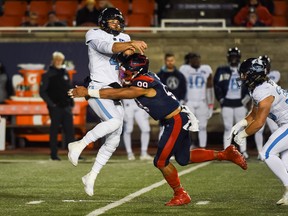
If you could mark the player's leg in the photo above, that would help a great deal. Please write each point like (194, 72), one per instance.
(258, 137)
(201, 114)
(112, 120)
(277, 144)
(68, 126)
(142, 119)
(56, 118)
(128, 129)
(239, 114)
(227, 116)
(104, 154)
(165, 150)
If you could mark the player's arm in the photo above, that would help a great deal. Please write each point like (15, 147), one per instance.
(130, 45)
(260, 115)
(111, 93)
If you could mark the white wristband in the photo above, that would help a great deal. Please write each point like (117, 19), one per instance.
(94, 93)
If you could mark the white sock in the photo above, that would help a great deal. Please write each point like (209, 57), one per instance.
(202, 134)
(278, 168)
(259, 141)
(127, 142)
(104, 154)
(145, 137)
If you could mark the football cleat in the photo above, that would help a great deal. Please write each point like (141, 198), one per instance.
(74, 151)
(233, 155)
(146, 157)
(181, 197)
(131, 157)
(283, 200)
(88, 182)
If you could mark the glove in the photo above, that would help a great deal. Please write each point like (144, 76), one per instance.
(193, 123)
(235, 129)
(240, 138)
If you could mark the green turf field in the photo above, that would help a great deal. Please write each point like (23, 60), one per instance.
(33, 185)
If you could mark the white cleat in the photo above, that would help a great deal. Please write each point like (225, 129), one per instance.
(131, 157)
(283, 200)
(146, 157)
(88, 182)
(74, 151)
(245, 155)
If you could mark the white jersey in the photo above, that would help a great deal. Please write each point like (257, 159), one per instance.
(103, 66)
(233, 92)
(278, 111)
(196, 81)
(274, 75)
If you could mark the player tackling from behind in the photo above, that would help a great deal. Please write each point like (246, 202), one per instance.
(152, 96)
(269, 100)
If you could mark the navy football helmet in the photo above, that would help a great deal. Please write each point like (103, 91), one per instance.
(234, 56)
(252, 73)
(133, 66)
(111, 14)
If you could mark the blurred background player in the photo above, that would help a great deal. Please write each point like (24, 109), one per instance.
(132, 111)
(104, 47)
(233, 100)
(53, 89)
(173, 79)
(275, 76)
(200, 94)
(155, 99)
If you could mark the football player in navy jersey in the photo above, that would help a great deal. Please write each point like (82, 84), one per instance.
(152, 96)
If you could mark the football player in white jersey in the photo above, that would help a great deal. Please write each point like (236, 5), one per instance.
(275, 76)
(269, 100)
(200, 94)
(132, 111)
(104, 45)
(232, 99)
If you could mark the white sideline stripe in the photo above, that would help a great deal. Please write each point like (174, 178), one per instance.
(142, 191)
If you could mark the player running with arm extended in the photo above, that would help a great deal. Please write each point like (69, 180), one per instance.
(269, 100)
(152, 96)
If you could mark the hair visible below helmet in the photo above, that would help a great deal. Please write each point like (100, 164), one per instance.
(234, 56)
(111, 14)
(252, 72)
(267, 62)
(133, 66)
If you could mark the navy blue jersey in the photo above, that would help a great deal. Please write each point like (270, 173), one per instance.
(162, 104)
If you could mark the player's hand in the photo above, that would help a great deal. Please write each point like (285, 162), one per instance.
(210, 113)
(240, 138)
(236, 128)
(140, 45)
(129, 52)
(78, 91)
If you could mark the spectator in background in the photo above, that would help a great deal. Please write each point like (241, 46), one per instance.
(31, 20)
(253, 19)
(88, 15)
(102, 4)
(200, 94)
(232, 99)
(54, 21)
(264, 16)
(3, 84)
(53, 89)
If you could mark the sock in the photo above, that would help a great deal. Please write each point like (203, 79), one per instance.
(278, 168)
(104, 154)
(127, 142)
(171, 176)
(201, 155)
(145, 136)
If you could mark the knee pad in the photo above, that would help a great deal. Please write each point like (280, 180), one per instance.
(115, 123)
(128, 128)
